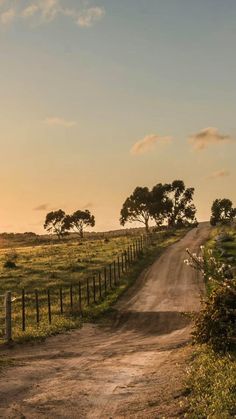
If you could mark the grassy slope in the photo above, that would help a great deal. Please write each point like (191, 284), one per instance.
(212, 377)
(58, 264)
(94, 254)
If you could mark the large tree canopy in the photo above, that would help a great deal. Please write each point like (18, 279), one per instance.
(165, 203)
(136, 207)
(222, 211)
(183, 211)
(160, 203)
(55, 223)
(79, 220)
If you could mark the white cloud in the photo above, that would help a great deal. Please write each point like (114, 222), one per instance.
(47, 11)
(88, 17)
(208, 136)
(7, 16)
(56, 121)
(30, 10)
(220, 174)
(148, 143)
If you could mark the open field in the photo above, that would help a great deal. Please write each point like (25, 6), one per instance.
(58, 264)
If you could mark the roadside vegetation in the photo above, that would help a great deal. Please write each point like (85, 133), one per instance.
(212, 375)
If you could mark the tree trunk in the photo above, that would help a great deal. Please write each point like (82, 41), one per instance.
(146, 226)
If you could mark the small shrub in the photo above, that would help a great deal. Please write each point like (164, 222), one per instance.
(9, 264)
(10, 260)
(216, 322)
(224, 237)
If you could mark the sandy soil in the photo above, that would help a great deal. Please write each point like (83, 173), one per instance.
(130, 368)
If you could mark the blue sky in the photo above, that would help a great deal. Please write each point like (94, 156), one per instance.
(82, 82)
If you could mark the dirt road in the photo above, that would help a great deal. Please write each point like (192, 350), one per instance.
(130, 370)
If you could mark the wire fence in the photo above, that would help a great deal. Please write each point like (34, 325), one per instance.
(2, 316)
(30, 308)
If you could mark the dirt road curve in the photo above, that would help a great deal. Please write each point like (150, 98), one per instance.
(129, 370)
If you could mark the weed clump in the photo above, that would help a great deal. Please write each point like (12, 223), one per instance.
(10, 260)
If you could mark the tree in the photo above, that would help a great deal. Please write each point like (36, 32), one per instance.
(137, 207)
(161, 204)
(55, 223)
(183, 211)
(78, 220)
(222, 211)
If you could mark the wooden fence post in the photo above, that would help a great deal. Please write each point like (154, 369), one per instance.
(128, 256)
(71, 297)
(61, 300)
(100, 285)
(131, 256)
(118, 263)
(134, 251)
(37, 306)
(114, 270)
(94, 289)
(105, 280)
(8, 319)
(110, 275)
(122, 262)
(49, 307)
(126, 261)
(80, 298)
(88, 293)
(23, 309)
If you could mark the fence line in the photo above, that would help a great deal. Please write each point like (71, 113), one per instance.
(75, 298)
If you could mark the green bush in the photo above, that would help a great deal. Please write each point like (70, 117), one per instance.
(216, 322)
(212, 384)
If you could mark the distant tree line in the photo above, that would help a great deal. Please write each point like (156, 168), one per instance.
(60, 223)
(169, 204)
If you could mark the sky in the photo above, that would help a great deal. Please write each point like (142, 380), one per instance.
(100, 96)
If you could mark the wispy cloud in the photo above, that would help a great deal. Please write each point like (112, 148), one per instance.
(56, 121)
(41, 207)
(44, 11)
(89, 205)
(88, 17)
(219, 174)
(148, 143)
(7, 16)
(207, 137)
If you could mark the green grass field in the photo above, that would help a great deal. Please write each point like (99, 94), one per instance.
(58, 264)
